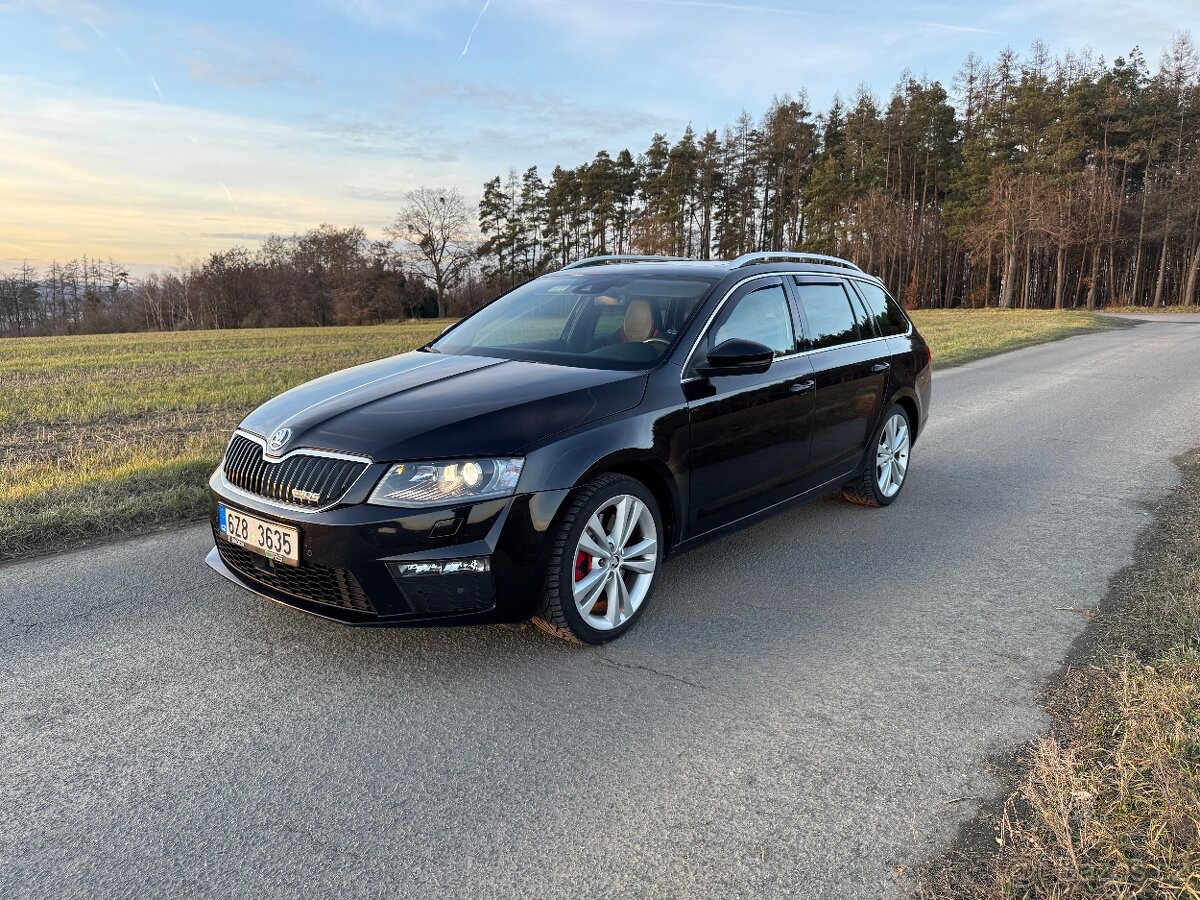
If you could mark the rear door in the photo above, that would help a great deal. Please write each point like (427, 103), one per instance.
(850, 367)
(892, 324)
(749, 433)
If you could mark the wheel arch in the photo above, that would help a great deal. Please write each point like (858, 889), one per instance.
(907, 401)
(658, 480)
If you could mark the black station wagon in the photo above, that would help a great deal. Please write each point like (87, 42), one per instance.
(546, 454)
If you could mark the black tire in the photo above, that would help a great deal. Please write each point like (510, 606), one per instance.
(557, 613)
(864, 489)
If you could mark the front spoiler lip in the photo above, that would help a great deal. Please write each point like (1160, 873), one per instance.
(346, 616)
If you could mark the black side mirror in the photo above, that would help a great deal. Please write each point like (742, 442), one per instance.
(737, 357)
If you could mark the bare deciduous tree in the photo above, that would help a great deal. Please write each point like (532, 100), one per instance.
(435, 227)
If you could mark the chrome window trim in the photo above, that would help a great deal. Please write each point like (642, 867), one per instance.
(685, 378)
(227, 485)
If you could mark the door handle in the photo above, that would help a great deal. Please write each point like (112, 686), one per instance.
(880, 367)
(802, 387)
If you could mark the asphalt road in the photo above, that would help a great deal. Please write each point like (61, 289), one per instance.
(801, 711)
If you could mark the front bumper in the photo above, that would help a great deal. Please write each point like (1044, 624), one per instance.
(351, 558)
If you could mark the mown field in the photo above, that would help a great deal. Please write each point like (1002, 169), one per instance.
(104, 435)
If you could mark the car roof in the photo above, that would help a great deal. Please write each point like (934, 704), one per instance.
(673, 266)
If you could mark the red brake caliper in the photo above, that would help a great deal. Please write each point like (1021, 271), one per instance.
(583, 565)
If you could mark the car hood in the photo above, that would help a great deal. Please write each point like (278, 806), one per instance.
(425, 406)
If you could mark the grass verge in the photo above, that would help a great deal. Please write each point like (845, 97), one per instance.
(107, 435)
(1108, 804)
(1152, 310)
(962, 335)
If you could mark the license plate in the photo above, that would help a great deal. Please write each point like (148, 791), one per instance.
(279, 543)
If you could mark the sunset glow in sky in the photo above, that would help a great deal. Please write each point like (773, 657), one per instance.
(157, 132)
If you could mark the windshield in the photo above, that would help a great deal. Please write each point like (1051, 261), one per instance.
(594, 320)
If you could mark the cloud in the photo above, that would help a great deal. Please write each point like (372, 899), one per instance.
(364, 192)
(75, 11)
(544, 115)
(139, 190)
(244, 60)
(736, 54)
(722, 7)
(68, 37)
(383, 134)
(411, 16)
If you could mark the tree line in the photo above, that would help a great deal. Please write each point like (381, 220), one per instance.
(326, 276)
(1033, 181)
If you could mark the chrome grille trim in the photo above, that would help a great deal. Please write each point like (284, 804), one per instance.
(247, 470)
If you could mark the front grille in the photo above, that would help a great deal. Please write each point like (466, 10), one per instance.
(315, 584)
(323, 477)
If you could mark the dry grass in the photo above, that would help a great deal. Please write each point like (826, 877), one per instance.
(1152, 310)
(1108, 805)
(1111, 808)
(104, 435)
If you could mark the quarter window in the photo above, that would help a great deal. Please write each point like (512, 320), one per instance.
(889, 318)
(762, 316)
(831, 318)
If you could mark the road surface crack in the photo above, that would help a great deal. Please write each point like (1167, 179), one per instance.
(617, 664)
(64, 620)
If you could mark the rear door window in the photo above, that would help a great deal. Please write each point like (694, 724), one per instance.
(829, 313)
(889, 318)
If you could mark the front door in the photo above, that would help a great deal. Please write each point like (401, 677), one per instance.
(749, 433)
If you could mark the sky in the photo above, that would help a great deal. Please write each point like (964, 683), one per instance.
(157, 132)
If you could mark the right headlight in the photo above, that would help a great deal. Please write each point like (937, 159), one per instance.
(438, 483)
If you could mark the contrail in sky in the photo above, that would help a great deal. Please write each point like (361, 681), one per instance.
(228, 195)
(966, 29)
(478, 19)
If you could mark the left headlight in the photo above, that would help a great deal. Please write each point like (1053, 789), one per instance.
(438, 483)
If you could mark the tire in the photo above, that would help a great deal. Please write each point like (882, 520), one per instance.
(573, 574)
(876, 484)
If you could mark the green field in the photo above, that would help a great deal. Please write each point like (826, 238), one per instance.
(103, 435)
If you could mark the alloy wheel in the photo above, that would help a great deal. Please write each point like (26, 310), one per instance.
(891, 457)
(614, 562)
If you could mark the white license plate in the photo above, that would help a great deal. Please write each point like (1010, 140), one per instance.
(280, 543)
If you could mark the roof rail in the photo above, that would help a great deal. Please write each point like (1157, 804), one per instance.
(622, 258)
(750, 259)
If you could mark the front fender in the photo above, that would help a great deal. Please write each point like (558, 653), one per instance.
(650, 445)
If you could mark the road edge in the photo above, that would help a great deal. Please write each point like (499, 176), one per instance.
(966, 868)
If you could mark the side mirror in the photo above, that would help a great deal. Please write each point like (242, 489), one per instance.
(737, 357)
